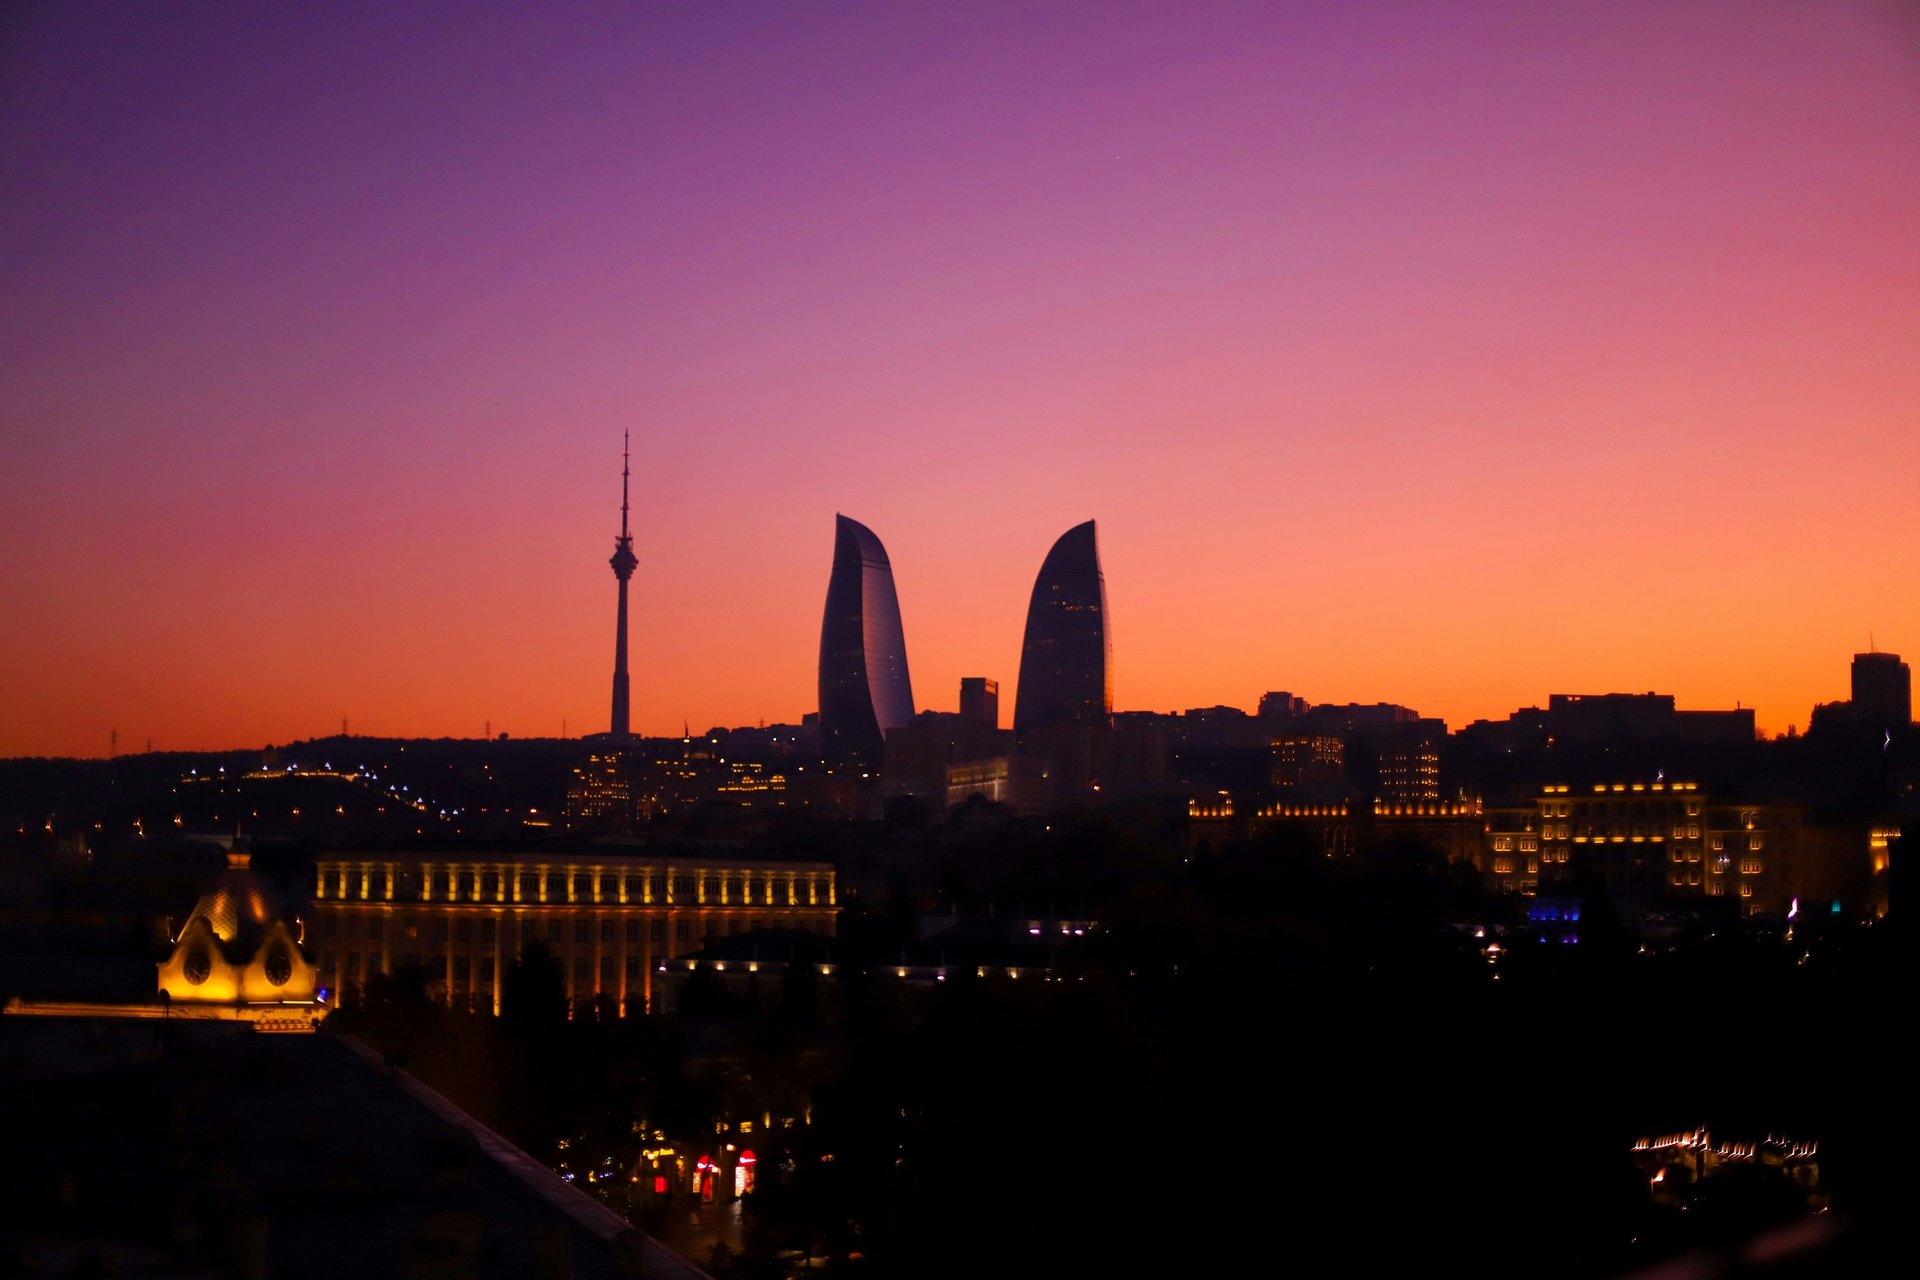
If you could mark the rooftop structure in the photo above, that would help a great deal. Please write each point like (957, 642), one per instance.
(239, 945)
(285, 1156)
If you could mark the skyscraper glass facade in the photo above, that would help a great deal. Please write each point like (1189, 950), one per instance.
(864, 686)
(1066, 660)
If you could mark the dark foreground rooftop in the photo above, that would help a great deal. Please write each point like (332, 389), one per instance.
(210, 1150)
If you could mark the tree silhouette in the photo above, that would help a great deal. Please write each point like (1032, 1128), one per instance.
(533, 994)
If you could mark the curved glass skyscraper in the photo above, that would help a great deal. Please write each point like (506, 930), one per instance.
(1066, 661)
(864, 687)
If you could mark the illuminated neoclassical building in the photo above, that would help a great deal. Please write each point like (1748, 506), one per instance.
(1663, 840)
(610, 919)
(1343, 825)
(239, 946)
(1066, 658)
(864, 686)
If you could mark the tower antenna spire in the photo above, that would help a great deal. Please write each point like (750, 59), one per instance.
(624, 562)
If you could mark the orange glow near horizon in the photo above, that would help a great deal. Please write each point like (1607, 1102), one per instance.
(1399, 358)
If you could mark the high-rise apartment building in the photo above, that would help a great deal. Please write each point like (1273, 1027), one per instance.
(980, 701)
(1882, 690)
(1406, 767)
(1282, 706)
(602, 797)
(1307, 760)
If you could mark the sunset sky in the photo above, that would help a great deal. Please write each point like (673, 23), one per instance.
(1448, 354)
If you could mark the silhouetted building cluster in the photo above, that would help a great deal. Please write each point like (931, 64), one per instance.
(1582, 796)
(1882, 701)
(1064, 747)
(1613, 718)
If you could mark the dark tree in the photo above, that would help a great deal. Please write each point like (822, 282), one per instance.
(533, 994)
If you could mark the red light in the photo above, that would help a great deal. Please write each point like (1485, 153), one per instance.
(746, 1157)
(659, 1184)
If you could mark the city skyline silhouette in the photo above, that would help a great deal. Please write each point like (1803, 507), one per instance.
(1400, 356)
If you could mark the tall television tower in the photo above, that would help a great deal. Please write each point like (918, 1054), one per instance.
(624, 562)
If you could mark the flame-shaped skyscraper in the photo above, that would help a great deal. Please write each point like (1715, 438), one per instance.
(1066, 660)
(864, 686)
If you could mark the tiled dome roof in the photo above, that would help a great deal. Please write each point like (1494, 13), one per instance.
(239, 907)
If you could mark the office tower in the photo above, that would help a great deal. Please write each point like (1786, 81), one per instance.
(980, 701)
(1307, 760)
(1882, 690)
(624, 562)
(600, 797)
(864, 686)
(1066, 660)
(1406, 767)
(1281, 706)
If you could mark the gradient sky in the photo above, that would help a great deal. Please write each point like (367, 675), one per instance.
(1450, 354)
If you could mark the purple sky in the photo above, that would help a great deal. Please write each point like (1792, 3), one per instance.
(1447, 353)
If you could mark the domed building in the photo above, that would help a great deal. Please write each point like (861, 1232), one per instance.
(240, 946)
